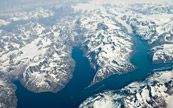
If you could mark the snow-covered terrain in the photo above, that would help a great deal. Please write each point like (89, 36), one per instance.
(106, 43)
(36, 44)
(35, 54)
(7, 93)
(154, 24)
(39, 54)
(109, 24)
(154, 92)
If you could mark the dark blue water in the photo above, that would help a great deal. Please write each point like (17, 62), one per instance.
(69, 97)
(76, 92)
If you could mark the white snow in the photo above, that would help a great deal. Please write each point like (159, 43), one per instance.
(3, 22)
(170, 102)
(106, 102)
(2, 82)
(138, 94)
(168, 47)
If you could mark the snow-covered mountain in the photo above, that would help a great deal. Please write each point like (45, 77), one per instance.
(154, 92)
(8, 98)
(153, 23)
(35, 54)
(36, 44)
(39, 54)
(149, 20)
(106, 43)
